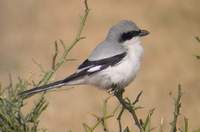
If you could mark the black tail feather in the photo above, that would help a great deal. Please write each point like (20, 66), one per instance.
(43, 88)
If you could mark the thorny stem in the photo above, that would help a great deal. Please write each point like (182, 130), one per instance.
(129, 106)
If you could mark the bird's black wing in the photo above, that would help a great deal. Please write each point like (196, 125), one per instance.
(89, 67)
(107, 61)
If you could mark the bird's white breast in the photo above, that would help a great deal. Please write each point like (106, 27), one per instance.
(122, 73)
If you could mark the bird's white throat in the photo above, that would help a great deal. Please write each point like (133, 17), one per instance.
(134, 48)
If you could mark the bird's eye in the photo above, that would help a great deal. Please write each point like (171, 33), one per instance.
(128, 35)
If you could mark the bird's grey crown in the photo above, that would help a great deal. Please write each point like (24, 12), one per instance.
(111, 46)
(123, 26)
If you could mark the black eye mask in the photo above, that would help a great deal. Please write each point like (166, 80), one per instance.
(129, 35)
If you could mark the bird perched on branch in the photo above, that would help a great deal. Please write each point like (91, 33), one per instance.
(112, 65)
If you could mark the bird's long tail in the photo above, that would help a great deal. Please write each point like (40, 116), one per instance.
(73, 79)
(39, 89)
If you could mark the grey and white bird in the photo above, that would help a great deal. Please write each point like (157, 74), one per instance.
(113, 64)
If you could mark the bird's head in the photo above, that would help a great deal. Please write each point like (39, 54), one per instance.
(125, 30)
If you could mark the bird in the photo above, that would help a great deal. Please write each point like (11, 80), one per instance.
(112, 65)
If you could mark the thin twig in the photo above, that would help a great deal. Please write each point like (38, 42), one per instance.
(147, 122)
(137, 98)
(55, 56)
(177, 106)
(119, 119)
(63, 44)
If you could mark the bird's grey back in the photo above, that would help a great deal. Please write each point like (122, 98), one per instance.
(111, 45)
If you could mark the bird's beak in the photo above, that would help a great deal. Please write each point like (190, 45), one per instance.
(143, 33)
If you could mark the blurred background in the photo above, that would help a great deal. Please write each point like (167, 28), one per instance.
(28, 29)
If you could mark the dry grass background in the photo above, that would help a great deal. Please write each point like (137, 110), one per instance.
(29, 28)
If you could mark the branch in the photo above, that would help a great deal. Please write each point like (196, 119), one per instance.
(47, 76)
(129, 106)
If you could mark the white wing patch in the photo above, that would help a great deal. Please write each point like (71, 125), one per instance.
(93, 69)
(79, 70)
